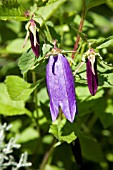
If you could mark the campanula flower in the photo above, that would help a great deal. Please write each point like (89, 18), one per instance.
(91, 72)
(34, 37)
(60, 85)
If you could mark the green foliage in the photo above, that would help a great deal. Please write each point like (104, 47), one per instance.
(10, 10)
(22, 89)
(46, 12)
(9, 107)
(26, 61)
(56, 130)
(93, 3)
(91, 153)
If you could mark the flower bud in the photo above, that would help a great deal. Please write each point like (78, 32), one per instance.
(91, 71)
(34, 37)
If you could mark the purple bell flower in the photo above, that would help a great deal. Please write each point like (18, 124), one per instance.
(91, 71)
(60, 85)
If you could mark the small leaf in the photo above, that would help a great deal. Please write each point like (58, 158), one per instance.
(47, 11)
(26, 61)
(69, 138)
(18, 88)
(9, 107)
(93, 3)
(56, 130)
(46, 48)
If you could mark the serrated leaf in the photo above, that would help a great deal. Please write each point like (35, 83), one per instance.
(18, 88)
(26, 61)
(56, 130)
(9, 107)
(93, 3)
(11, 10)
(69, 138)
(47, 11)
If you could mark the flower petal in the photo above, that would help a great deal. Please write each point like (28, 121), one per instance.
(92, 79)
(52, 86)
(35, 48)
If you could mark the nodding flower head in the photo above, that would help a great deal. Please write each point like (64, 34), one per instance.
(91, 71)
(61, 89)
(34, 37)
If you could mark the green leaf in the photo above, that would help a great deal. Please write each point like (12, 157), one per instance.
(41, 69)
(56, 130)
(26, 61)
(105, 75)
(11, 10)
(18, 88)
(47, 11)
(9, 107)
(91, 149)
(25, 137)
(15, 46)
(69, 138)
(93, 3)
(106, 44)
(105, 113)
(46, 48)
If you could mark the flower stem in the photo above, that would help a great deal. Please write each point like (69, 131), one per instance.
(47, 155)
(36, 101)
(80, 28)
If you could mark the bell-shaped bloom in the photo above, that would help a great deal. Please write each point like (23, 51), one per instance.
(92, 77)
(34, 37)
(60, 85)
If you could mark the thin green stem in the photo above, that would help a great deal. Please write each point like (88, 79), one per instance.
(48, 32)
(35, 100)
(47, 155)
(80, 28)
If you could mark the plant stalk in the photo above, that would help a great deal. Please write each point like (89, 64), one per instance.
(80, 28)
(47, 155)
(36, 101)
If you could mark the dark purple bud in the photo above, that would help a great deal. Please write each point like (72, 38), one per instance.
(92, 77)
(60, 85)
(35, 46)
(34, 37)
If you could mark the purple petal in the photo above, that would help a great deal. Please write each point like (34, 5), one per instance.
(92, 79)
(60, 84)
(35, 48)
